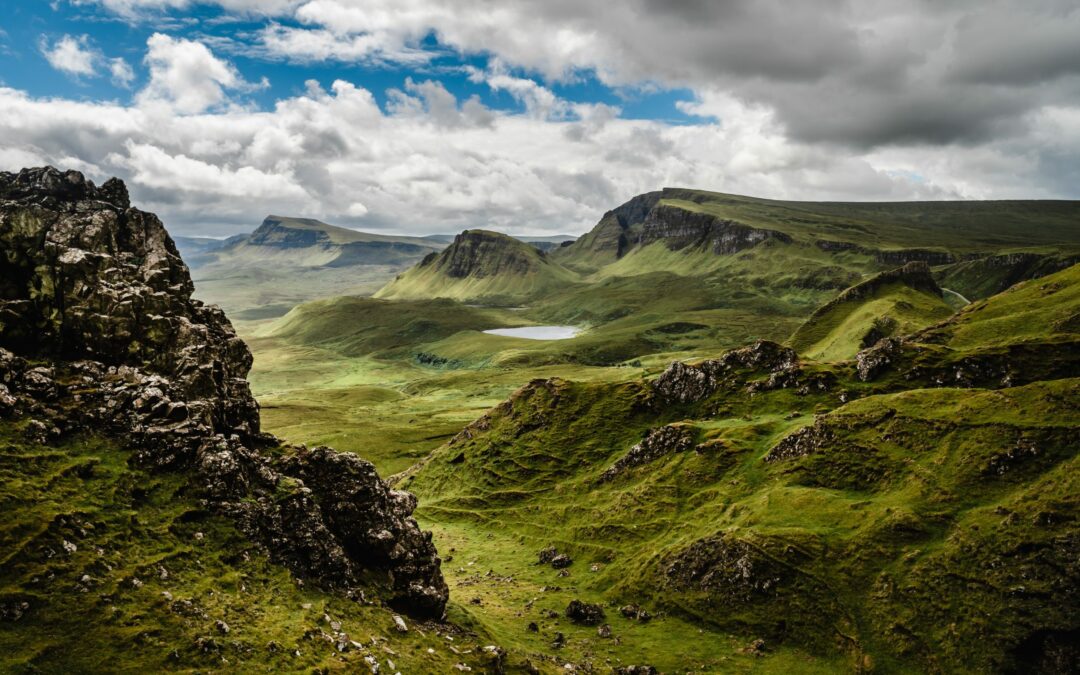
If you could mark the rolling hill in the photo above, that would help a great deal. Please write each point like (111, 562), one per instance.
(911, 510)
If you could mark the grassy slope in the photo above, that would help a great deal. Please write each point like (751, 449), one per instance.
(967, 226)
(839, 332)
(1032, 310)
(921, 490)
(135, 589)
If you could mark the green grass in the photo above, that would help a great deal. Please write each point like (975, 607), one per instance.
(146, 572)
(1033, 310)
(958, 226)
(839, 332)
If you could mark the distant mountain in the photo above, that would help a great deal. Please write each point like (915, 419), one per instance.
(289, 260)
(481, 265)
(312, 243)
(885, 234)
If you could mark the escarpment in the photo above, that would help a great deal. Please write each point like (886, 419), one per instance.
(99, 334)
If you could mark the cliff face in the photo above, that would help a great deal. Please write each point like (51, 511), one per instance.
(99, 333)
(645, 220)
(679, 229)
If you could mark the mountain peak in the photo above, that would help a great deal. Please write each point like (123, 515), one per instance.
(480, 264)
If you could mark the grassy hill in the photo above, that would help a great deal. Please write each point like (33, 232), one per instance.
(899, 302)
(481, 266)
(108, 568)
(887, 234)
(882, 522)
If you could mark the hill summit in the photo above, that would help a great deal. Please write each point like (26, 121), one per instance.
(481, 265)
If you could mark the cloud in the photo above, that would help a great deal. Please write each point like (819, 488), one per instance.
(121, 73)
(71, 55)
(879, 99)
(186, 76)
(861, 74)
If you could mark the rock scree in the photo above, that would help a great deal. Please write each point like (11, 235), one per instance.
(99, 332)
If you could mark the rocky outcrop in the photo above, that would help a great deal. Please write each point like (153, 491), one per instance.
(584, 613)
(734, 570)
(96, 290)
(684, 383)
(657, 443)
(613, 235)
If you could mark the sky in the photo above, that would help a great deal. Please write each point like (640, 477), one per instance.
(537, 116)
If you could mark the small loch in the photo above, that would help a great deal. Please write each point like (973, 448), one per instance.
(537, 332)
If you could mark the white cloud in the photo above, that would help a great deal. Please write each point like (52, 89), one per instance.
(186, 76)
(304, 45)
(121, 73)
(71, 55)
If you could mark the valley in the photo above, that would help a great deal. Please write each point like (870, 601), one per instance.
(397, 378)
(725, 442)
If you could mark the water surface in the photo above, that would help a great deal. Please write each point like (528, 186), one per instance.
(537, 332)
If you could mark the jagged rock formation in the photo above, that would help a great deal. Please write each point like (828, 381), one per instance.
(96, 290)
(684, 383)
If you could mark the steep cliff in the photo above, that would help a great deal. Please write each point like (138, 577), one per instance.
(99, 334)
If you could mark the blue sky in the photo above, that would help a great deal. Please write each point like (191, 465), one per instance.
(532, 116)
(30, 22)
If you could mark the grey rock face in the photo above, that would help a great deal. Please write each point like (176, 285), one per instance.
(97, 289)
(679, 228)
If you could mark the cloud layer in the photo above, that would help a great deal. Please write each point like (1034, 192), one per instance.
(819, 100)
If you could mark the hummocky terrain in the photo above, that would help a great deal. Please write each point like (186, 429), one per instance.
(792, 437)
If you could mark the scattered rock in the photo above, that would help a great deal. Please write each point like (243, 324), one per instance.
(399, 624)
(756, 648)
(584, 613)
(604, 631)
(221, 627)
(635, 613)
